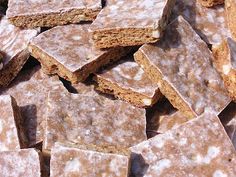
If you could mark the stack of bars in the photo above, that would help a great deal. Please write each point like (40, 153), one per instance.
(117, 88)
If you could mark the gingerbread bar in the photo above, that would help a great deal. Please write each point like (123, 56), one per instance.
(70, 53)
(72, 161)
(181, 65)
(210, 3)
(225, 63)
(92, 120)
(230, 10)
(24, 162)
(127, 81)
(209, 23)
(129, 23)
(228, 118)
(47, 13)
(12, 134)
(13, 48)
(200, 146)
(30, 89)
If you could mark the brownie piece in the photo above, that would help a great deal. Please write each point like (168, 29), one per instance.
(225, 63)
(13, 48)
(92, 120)
(209, 23)
(30, 89)
(72, 161)
(12, 133)
(129, 23)
(68, 52)
(127, 81)
(47, 13)
(230, 10)
(181, 65)
(24, 162)
(210, 3)
(199, 147)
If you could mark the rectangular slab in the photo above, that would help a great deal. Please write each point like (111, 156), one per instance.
(30, 89)
(198, 147)
(225, 63)
(92, 120)
(127, 81)
(181, 65)
(24, 162)
(69, 161)
(70, 53)
(12, 133)
(210, 3)
(129, 23)
(47, 13)
(13, 48)
(230, 10)
(209, 23)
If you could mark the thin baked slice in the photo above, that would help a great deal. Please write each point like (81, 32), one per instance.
(68, 52)
(200, 146)
(47, 13)
(127, 81)
(13, 49)
(129, 23)
(181, 65)
(93, 120)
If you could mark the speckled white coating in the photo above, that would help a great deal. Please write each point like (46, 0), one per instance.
(9, 139)
(13, 40)
(198, 148)
(131, 14)
(92, 120)
(170, 121)
(128, 74)
(33, 7)
(69, 45)
(25, 162)
(184, 61)
(67, 161)
(209, 23)
(30, 89)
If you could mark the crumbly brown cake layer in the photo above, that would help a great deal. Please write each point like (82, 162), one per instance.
(181, 65)
(48, 13)
(210, 3)
(129, 23)
(70, 53)
(225, 63)
(127, 81)
(13, 49)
